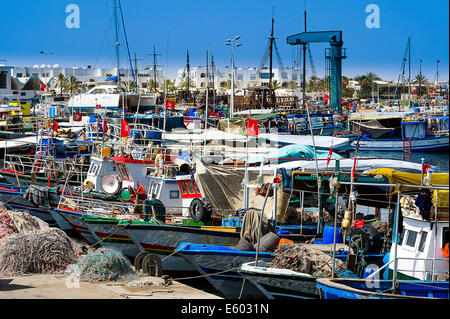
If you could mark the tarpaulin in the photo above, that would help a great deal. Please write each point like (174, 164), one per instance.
(396, 177)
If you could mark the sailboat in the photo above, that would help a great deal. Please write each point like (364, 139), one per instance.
(110, 95)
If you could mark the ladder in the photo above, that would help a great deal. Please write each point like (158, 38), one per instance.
(407, 149)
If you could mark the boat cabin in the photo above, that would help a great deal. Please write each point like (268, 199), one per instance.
(420, 246)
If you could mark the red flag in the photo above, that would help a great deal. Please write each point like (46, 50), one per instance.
(55, 125)
(252, 127)
(98, 106)
(77, 116)
(125, 129)
(42, 86)
(325, 98)
(330, 153)
(170, 104)
(354, 169)
(104, 126)
(425, 168)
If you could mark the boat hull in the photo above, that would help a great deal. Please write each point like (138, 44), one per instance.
(132, 238)
(219, 266)
(280, 283)
(428, 144)
(361, 289)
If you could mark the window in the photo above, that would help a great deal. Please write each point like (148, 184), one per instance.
(124, 172)
(423, 239)
(240, 77)
(411, 239)
(154, 188)
(202, 75)
(402, 234)
(3, 79)
(174, 194)
(253, 77)
(19, 75)
(190, 188)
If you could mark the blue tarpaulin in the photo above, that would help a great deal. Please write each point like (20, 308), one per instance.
(291, 153)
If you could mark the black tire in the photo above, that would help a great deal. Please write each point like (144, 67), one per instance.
(208, 209)
(375, 238)
(138, 260)
(152, 265)
(200, 210)
(268, 242)
(361, 238)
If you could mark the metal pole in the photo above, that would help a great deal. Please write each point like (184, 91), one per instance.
(260, 225)
(395, 237)
(334, 233)
(232, 80)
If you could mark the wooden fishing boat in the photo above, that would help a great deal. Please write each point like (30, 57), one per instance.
(344, 288)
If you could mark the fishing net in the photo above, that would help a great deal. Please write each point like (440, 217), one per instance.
(13, 222)
(305, 260)
(102, 265)
(41, 251)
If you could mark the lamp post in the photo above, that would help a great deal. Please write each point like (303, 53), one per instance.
(231, 43)
(45, 63)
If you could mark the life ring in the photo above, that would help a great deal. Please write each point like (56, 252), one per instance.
(200, 210)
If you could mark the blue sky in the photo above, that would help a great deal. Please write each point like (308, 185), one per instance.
(175, 26)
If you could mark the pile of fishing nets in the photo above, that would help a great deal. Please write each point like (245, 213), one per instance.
(14, 222)
(299, 258)
(102, 265)
(28, 245)
(40, 251)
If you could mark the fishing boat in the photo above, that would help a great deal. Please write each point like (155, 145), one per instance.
(338, 288)
(415, 267)
(396, 132)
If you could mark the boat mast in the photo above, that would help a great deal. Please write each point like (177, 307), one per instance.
(188, 68)
(304, 66)
(409, 71)
(213, 84)
(270, 62)
(154, 67)
(116, 26)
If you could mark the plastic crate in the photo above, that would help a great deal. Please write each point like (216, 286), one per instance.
(231, 222)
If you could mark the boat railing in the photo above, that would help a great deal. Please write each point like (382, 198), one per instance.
(120, 210)
(432, 273)
(29, 164)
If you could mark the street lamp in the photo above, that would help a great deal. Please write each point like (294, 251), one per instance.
(232, 44)
(45, 62)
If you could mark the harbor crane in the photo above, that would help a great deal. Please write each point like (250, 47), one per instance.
(336, 56)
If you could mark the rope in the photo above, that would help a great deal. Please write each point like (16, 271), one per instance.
(120, 229)
(207, 275)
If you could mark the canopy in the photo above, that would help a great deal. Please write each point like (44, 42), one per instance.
(396, 177)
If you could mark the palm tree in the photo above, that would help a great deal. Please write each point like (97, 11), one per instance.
(275, 85)
(73, 85)
(365, 82)
(152, 85)
(420, 79)
(226, 85)
(292, 85)
(61, 82)
(170, 85)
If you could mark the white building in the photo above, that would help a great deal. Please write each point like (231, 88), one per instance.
(84, 74)
(243, 77)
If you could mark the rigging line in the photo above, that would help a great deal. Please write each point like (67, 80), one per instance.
(103, 42)
(126, 41)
